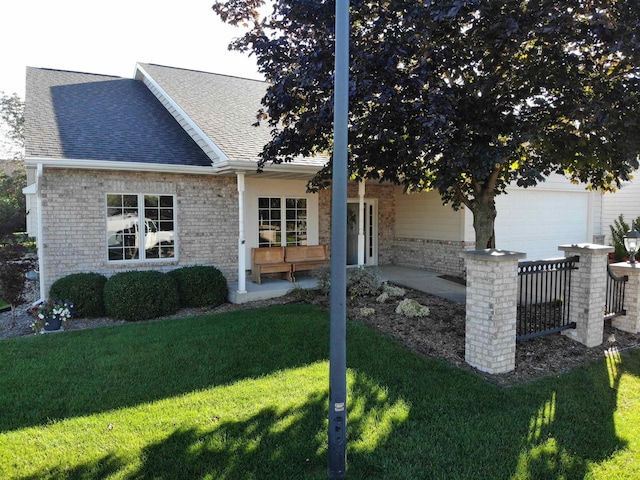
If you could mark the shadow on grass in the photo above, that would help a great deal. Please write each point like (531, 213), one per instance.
(408, 417)
(56, 377)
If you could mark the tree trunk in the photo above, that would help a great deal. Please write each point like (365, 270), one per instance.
(484, 217)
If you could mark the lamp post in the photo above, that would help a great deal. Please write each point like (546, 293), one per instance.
(632, 243)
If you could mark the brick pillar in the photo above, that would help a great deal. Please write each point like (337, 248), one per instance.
(492, 292)
(588, 292)
(631, 321)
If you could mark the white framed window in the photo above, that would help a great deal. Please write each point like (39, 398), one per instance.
(140, 227)
(282, 221)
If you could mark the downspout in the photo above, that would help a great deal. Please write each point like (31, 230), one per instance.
(242, 253)
(361, 216)
(39, 229)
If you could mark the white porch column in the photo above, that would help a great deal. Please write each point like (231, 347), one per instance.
(361, 223)
(242, 253)
(39, 239)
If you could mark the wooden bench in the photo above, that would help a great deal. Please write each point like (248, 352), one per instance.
(306, 257)
(269, 260)
(286, 260)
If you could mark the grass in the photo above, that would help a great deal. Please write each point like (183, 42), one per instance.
(243, 395)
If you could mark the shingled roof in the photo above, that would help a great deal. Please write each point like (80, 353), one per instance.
(82, 116)
(165, 116)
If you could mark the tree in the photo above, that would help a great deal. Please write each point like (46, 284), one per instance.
(12, 116)
(462, 96)
(13, 264)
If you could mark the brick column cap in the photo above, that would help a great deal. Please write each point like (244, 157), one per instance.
(586, 248)
(493, 255)
(627, 267)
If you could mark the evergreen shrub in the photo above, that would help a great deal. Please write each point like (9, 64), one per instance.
(200, 286)
(140, 295)
(84, 290)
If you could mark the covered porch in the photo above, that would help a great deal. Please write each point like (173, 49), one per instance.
(417, 279)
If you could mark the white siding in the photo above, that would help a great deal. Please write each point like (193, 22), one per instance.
(255, 188)
(625, 201)
(422, 216)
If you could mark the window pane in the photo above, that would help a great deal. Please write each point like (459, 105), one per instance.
(302, 203)
(130, 201)
(125, 241)
(166, 201)
(159, 237)
(275, 203)
(263, 202)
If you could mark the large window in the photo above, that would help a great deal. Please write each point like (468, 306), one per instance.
(282, 221)
(140, 227)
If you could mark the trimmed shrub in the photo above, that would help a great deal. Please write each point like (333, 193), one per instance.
(140, 295)
(200, 286)
(84, 290)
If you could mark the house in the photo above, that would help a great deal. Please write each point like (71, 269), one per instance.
(167, 160)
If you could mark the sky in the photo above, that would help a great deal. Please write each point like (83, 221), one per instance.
(110, 37)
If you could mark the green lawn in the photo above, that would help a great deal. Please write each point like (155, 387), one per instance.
(244, 396)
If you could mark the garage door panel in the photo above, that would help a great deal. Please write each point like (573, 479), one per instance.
(536, 222)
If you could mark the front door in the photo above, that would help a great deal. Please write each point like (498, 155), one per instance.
(370, 243)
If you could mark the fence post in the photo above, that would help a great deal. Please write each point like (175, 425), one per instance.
(588, 292)
(492, 291)
(631, 321)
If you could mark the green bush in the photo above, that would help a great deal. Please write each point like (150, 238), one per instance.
(200, 286)
(361, 281)
(140, 295)
(84, 290)
(618, 230)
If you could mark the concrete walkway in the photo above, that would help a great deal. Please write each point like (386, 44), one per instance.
(422, 280)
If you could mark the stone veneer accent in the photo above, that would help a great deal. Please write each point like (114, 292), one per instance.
(441, 256)
(74, 220)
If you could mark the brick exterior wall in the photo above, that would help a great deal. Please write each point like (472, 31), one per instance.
(438, 255)
(74, 220)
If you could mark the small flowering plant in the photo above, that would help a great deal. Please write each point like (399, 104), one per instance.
(50, 312)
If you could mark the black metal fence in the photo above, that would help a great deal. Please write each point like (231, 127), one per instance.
(614, 304)
(544, 290)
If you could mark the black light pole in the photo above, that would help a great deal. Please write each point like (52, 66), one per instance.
(337, 462)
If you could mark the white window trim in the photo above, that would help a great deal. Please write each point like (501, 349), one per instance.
(142, 258)
(283, 216)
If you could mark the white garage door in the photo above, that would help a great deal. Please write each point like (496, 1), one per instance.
(536, 222)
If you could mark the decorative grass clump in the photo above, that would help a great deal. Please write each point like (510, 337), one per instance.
(200, 286)
(84, 290)
(140, 295)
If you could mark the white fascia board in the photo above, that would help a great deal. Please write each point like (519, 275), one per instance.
(180, 115)
(234, 166)
(87, 164)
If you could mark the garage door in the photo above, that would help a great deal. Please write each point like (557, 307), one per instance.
(536, 222)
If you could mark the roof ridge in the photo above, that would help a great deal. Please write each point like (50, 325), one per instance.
(195, 70)
(60, 70)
